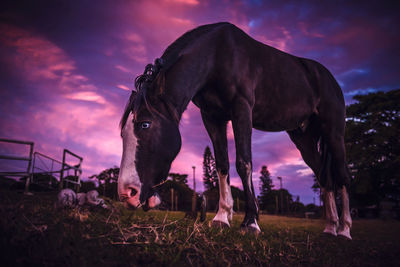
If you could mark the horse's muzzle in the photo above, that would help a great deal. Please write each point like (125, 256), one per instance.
(131, 199)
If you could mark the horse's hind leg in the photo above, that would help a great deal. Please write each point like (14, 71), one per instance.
(217, 132)
(307, 140)
(334, 139)
(345, 218)
(330, 212)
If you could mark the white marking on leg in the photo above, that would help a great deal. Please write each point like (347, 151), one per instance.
(249, 171)
(255, 226)
(128, 178)
(330, 213)
(345, 218)
(225, 210)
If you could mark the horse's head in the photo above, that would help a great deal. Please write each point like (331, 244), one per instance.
(151, 141)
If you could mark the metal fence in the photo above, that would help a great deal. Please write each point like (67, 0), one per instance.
(26, 173)
(74, 179)
(44, 169)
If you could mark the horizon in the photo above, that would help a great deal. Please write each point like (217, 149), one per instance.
(69, 69)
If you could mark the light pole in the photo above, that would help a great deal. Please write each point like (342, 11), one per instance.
(280, 180)
(194, 180)
(194, 191)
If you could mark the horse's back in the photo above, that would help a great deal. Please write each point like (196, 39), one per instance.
(283, 89)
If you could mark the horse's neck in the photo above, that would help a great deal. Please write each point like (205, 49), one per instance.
(182, 92)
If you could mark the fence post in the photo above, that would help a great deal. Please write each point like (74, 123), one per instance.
(30, 173)
(61, 185)
(172, 199)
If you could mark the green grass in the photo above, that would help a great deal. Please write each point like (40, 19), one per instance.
(33, 232)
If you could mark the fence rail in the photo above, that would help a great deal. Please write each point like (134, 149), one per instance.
(29, 159)
(36, 158)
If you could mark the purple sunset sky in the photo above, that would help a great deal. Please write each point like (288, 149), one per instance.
(67, 68)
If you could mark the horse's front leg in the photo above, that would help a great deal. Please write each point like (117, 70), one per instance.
(217, 131)
(242, 129)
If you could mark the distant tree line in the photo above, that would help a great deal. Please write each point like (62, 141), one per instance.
(270, 200)
(373, 148)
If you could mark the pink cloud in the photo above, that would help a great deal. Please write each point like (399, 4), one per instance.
(187, 2)
(86, 96)
(39, 58)
(123, 87)
(307, 31)
(122, 68)
(65, 118)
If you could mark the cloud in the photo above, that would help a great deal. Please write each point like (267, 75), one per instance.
(87, 96)
(122, 68)
(186, 2)
(72, 113)
(38, 58)
(123, 87)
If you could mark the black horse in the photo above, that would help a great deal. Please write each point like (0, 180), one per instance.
(232, 77)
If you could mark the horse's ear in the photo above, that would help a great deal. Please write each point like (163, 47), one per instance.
(158, 64)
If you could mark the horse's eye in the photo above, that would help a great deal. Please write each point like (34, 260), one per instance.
(145, 125)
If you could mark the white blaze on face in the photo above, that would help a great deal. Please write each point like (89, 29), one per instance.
(128, 180)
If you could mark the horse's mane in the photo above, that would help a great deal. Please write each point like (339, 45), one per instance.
(156, 72)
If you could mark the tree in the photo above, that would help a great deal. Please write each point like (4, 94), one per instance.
(278, 201)
(86, 186)
(266, 186)
(373, 147)
(182, 192)
(316, 188)
(212, 196)
(108, 181)
(179, 178)
(210, 176)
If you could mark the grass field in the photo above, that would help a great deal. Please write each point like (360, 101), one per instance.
(33, 232)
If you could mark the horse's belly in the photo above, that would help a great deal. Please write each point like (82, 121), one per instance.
(278, 123)
(274, 127)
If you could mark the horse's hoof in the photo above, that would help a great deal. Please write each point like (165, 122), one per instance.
(219, 224)
(345, 233)
(330, 229)
(251, 228)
